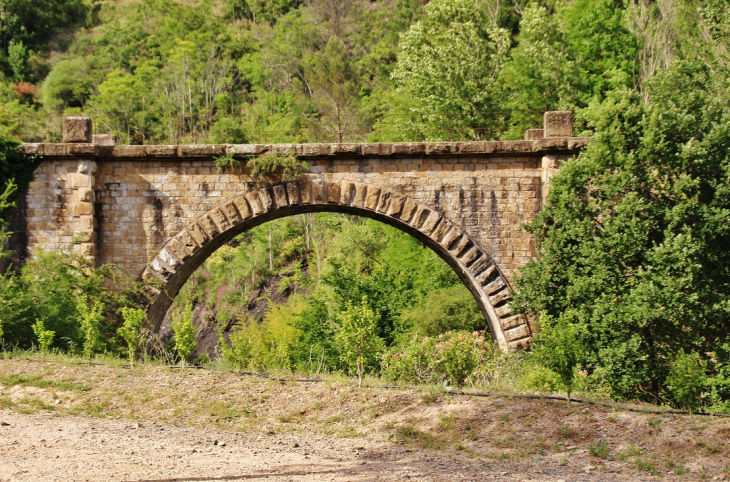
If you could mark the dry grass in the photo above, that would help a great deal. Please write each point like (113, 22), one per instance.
(493, 428)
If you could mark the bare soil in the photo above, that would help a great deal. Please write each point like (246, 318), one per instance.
(64, 421)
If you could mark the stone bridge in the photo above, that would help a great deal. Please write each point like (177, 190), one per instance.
(159, 211)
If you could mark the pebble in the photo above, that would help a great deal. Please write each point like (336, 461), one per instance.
(296, 445)
(4, 424)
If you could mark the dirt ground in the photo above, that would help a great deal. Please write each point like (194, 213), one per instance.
(61, 421)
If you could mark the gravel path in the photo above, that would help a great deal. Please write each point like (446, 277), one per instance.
(40, 447)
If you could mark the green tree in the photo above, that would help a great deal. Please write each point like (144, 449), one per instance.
(240, 353)
(185, 333)
(131, 330)
(449, 65)
(16, 169)
(68, 85)
(634, 239)
(18, 60)
(335, 84)
(558, 346)
(358, 337)
(540, 74)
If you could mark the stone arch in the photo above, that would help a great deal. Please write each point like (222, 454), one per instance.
(184, 252)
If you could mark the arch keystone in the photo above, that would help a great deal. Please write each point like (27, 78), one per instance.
(347, 192)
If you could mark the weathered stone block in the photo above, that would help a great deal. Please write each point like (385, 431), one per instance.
(76, 129)
(558, 124)
(104, 139)
(533, 134)
(83, 209)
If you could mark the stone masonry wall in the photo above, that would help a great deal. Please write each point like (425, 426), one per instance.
(122, 209)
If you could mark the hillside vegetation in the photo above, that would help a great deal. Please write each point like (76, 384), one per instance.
(631, 281)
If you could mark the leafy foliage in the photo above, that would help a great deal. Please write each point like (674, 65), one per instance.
(131, 330)
(185, 333)
(358, 338)
(631, 241)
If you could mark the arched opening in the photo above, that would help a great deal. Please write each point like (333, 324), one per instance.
(186, 251)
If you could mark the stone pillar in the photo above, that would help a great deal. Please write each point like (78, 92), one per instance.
(558, 124)
(82, 183)
(549, 166)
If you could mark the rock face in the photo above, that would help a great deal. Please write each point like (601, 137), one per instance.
(160, 211)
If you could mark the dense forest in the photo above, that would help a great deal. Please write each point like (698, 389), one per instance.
(631, 280)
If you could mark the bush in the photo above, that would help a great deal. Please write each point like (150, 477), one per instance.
(446, 309)
(358, 338)
(450, 357)
(185, 333)
(460, 354)
(417, 362)
(131, 330)
(558, 347)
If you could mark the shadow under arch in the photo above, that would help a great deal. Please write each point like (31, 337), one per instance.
(188, 249)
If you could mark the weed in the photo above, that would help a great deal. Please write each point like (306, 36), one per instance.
(680, 470)
(645, 465)
(460, 447)
(600, 449)
(568, 432)
(503, 456)
(431, 394)
(654, 422)
(504, 417)
(410, 434)
(564, 462)
(446, 421)
(631, 451)
(333, 419)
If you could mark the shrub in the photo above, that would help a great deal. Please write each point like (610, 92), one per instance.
(185, 333)
(417, 362)
(272, 168)
(92, 315)
(557, 346)
(45, 337)
(687, 379)
(241, 352)
(131, 330)
(460, 354)
(358, 337)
